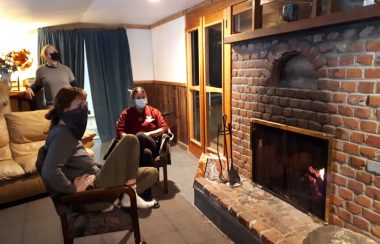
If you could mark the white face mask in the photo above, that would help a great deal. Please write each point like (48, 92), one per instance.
(140, 103)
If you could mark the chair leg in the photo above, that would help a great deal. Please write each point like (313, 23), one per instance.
(165, 179)
(134, 215)
(65, 230)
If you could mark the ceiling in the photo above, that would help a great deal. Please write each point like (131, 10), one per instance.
(32, 14)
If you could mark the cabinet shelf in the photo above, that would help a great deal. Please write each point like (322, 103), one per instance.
(344, 17)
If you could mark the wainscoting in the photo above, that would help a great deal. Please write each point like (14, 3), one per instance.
(170, 99)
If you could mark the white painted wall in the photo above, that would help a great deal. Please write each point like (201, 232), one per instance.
(140, 47)
(169, 51)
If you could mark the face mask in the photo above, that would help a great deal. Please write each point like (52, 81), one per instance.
(140, 103)
(54, 56)
(76, 121)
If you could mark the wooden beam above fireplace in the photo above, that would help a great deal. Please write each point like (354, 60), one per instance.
(292, 129)
(344, 17)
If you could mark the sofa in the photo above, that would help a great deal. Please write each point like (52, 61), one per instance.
(21, 135)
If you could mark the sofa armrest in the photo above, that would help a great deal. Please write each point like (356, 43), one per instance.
(88, 138)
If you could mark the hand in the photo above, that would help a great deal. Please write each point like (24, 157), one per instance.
(29, 93)
(82, 182)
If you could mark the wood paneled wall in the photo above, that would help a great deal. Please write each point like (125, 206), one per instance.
(171, 99)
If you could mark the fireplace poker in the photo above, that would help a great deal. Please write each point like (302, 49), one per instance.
(233, 175)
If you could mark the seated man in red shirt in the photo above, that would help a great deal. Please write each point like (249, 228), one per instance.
(146, 123)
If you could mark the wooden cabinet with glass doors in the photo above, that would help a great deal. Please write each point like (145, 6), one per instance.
(258, 18)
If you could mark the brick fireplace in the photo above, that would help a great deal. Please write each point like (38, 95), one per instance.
(291, 163)
(345, 103)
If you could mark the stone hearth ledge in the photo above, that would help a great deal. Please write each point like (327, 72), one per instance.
(270, 219)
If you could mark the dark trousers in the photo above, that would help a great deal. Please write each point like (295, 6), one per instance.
(148, 150)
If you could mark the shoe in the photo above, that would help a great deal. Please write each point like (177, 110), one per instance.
(156, 203)
(141, 203)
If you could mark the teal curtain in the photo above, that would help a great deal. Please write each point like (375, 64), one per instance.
(110, 73)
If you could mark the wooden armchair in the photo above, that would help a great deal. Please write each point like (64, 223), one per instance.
(164, 158)
(93, 223)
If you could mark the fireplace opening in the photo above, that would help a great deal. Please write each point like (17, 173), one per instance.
(292, 163)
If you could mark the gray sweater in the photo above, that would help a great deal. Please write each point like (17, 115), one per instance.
(65, 160)
(52, 79)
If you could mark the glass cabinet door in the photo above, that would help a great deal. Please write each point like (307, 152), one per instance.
(194, 86)
(276, 12)
(196, 134)
(242, 17)
(214, 83)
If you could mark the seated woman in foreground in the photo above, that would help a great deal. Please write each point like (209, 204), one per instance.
(146, 123)
(67, 167)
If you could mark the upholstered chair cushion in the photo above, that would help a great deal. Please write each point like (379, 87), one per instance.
(27, 133)
(28, 162)
(93, 223)
(28, 126)
(9, 169)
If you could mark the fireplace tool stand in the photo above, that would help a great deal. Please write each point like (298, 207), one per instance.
(233, 176)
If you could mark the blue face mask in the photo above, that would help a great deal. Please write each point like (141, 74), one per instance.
(76, 121)
(140, 103)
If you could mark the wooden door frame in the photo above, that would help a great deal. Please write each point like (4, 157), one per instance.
(216, 17)
(227, 69)
(200, 24)
(195, 146)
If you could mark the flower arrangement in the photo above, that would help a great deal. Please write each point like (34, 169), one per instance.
(7, 65)
(15, 60)
(22, 59)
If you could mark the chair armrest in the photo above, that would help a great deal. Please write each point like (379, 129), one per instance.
(97, 195)
(167, 113)
(88, 138)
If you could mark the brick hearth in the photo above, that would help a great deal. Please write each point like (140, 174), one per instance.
(346, 104)
(247, 214)
(267, 218)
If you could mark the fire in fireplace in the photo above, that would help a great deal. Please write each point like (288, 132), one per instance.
(292, 163)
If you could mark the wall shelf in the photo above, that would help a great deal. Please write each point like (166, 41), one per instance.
(344, 17)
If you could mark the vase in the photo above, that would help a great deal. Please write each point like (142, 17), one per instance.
(6, 78)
